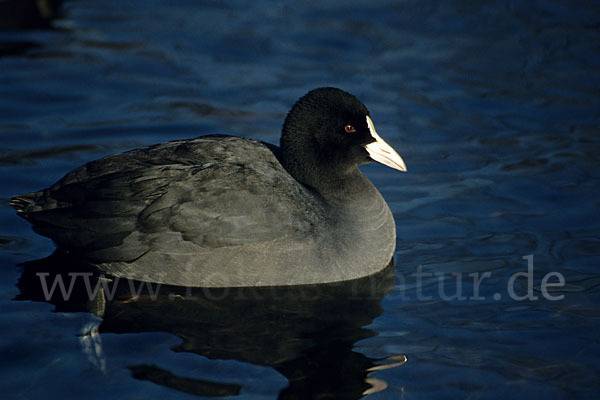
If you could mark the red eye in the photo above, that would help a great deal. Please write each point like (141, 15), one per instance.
(349, 129)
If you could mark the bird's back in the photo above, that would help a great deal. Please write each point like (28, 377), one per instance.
(217, 197)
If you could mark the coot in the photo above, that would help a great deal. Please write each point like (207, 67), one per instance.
(224, 211)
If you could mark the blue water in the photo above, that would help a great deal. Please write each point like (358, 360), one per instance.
(495, 107)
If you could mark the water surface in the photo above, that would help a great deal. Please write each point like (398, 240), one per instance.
(494, 107)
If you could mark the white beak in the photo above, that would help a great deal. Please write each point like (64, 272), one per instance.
(382, 152)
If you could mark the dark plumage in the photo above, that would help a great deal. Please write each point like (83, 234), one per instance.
(228, 211)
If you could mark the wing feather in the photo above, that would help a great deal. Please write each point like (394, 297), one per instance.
(210, 192)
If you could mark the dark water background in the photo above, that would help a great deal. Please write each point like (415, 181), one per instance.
(495, 107)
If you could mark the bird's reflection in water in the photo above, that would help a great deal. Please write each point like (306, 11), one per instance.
(307, 333)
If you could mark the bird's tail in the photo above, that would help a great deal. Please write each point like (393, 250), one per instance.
(26, 203)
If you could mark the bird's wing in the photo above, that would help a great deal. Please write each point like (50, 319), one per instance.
(180, 196)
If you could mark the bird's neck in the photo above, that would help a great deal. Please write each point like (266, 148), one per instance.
(325, 175)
